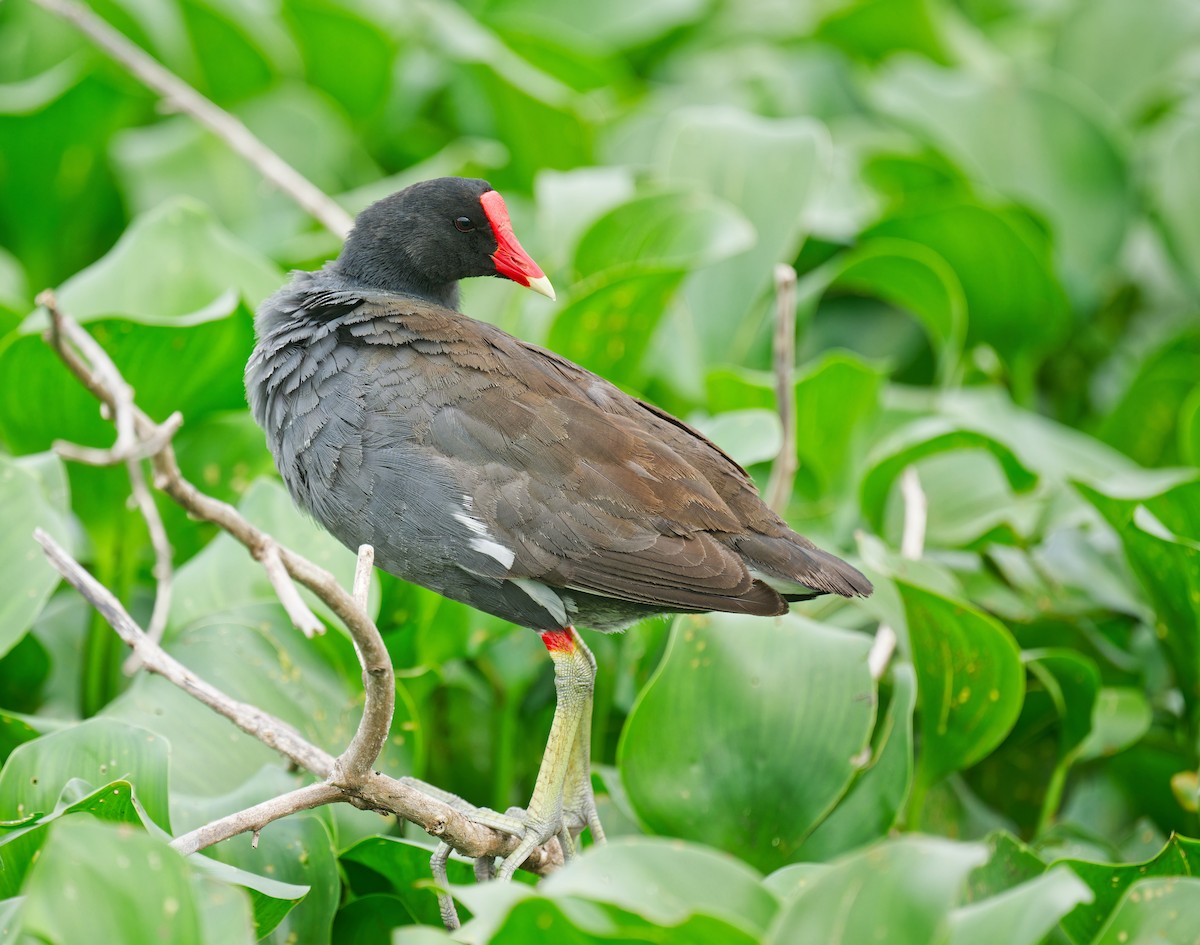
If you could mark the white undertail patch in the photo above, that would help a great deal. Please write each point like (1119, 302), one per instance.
(544, 597)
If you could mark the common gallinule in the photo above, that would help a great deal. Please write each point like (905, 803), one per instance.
(499, 474)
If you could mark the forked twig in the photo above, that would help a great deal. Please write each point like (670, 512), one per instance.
(348, 778)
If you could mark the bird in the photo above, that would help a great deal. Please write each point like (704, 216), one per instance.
(499, 474)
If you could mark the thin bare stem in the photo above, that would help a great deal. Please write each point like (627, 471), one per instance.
(912, 546)
(181, 96)
(253, 819)
(302, 617)
(379, 684)
(916, 515)
(783, 470)
(130, 449)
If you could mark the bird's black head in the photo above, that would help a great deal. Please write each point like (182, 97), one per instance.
(423, 239)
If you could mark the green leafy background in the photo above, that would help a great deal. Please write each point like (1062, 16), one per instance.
(992, 207)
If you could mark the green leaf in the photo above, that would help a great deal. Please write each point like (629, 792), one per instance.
(676, 230)
(901, 890)
(1127, 55)
(745, 736)
(1160, 532)
(1013, 300)
(869, 810)
(1146, 422)
(742, 158)
(297, 851)
(666, 882)
(749, 436)
(1116, 884)
(21, 840)
(930, 436)
(404, 866)
(1030, 137)
(969, 679)
(97, 751)
(33, 495)
(836, 400)
(1155, 911)
(1174, 190)
(162, 163)
(1023, 915)
(917, 279)
(873, 29)
(1120, 717)
(1009, 864)
(102, 883)
(608, 324)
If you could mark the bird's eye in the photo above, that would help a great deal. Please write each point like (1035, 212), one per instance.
(464, 225)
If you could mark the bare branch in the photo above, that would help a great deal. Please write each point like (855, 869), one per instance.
(783, 470)
(379, 684)
(130, 449)
(302, 617)
(253, 819)
(268, 729)
(916, 515)
(179, 95)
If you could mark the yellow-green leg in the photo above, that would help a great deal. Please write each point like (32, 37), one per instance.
(562, 796)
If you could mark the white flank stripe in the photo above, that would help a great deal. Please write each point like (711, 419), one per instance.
(484, 543)
(493, 549)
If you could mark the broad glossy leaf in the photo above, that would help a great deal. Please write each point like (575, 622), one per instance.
(1110, 882)
(970, 681)
(617, 25)
(298, 851)
(21, 840)
(1010, 863)
(873, 31)
(876, 797)
(96, 751)
(1160, 532)
(1127, 55)
(749, 436)
(608, 324)
(1013, 300)
(837, 398)
(1174, 190)
(666, 882)
(1155, 911)
(578, 922)
(930, 436)
(742, 159)
(664, 231)
(745, 736)
(900, 890)
(33, 494)
(836, 402)
(1145, 423)
(1023, 915)
(1073, 682)
(1063, 162)
(102, 883)
(404, 866)
(1120, 717)
(176, 289)
(917, 279)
